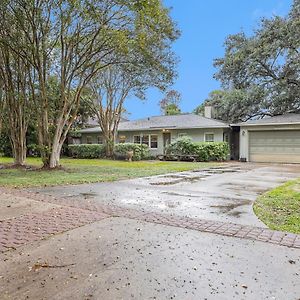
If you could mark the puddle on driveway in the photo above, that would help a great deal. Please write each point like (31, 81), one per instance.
(172, 204)
(88, 195)
(180, 195)
(181, 180)
(236, 214)
(221, 171)
(226, 208)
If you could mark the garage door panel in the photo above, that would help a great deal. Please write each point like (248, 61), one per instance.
(275, 146)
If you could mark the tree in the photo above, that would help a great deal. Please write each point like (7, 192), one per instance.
(268, 62)
(169, 105)
(2, 104)
(77, 39)
(234, 105)
(113, 86)
(16, 100)
(110, 91)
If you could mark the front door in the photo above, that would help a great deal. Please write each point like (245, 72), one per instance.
(167, 139)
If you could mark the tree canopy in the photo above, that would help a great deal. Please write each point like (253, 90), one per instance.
(73, 41)
(263, 69)
(169, 105)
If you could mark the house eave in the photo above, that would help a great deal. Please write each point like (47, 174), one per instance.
(267, 124)
(160, 128)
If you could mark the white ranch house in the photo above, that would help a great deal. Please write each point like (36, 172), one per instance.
(157, 132)
(272, 139)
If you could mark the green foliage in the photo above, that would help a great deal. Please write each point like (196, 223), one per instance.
(76, 171)
(266, 63)
(279, 209)
(79, 39)
(33, 150)
(234, 105)
(5, 145)
(87, 151)
(182, 146)
(74, 134)
(140, 152)
(215, 151)
(172, 109)
(169, 105)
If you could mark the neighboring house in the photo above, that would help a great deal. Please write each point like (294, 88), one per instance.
(274, 139)
(158, 132)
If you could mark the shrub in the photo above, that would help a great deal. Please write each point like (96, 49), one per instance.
(205, 151)
(87, 151)
(74, 134)
(5, 145)
(33, 150)
(182, 146)
(139, 151)
(212, 151)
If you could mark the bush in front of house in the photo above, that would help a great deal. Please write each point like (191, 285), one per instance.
(203, 151)
(87, 151)
(33, 150)
(212, 151)
(140, 152)
(5, 145)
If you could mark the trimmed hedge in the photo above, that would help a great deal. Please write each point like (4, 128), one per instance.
(140, 152)
(87, 151)
(205, 151)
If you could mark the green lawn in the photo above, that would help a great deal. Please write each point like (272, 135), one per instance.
(88, 170)
(280, 208)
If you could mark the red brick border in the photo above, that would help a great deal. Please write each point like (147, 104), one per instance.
(32, 227)
(90, 211)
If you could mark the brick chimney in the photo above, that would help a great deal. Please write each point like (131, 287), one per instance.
(209, 112)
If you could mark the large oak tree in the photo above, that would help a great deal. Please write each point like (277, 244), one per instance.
(264, 68)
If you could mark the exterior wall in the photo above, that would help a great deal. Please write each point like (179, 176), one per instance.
(94, 137)
(196, 134)
(244, 135)
(130, 134)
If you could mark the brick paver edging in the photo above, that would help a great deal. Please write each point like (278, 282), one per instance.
(36, 226)
(221, 228)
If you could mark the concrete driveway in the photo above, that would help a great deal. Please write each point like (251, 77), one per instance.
(130, 240)
(225, 193)
(122, 259)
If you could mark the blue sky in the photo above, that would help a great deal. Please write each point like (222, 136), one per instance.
(204, 26)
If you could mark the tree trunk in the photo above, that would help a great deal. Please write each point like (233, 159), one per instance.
(18, 128)
(19, 152)
(109, 147)
(55, 158)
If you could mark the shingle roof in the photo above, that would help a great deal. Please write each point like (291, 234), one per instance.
(291, 118)
(183, 121)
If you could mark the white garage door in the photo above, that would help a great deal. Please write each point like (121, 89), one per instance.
(281, 146)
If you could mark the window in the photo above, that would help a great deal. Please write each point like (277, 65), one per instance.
(153, 141)
(226, 137)
(89, 140)
(145, 140)
(150, 140)
(122, 139)
(100, 139)
(209, 137)
(136, 139)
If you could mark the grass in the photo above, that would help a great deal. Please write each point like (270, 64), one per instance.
(76, 171)
(279, 209)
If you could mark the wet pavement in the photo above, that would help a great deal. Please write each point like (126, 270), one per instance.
(162, 237)
(119, 258)
(225, 193)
